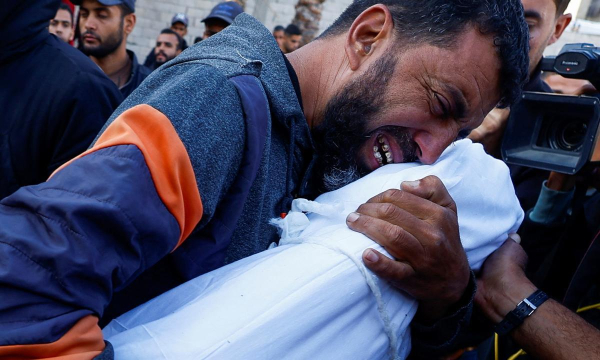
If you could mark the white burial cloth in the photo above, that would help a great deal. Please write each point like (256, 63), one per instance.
(311, 297)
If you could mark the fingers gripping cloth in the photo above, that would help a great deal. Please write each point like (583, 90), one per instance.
(311, 296)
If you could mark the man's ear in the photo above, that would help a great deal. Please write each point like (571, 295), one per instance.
(369, 31)
(129, 23)
(561, 24)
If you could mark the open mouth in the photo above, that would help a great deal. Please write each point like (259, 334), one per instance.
(382, 152)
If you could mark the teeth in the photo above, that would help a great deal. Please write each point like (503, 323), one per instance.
(380, 139)
(375, 149)
(377, 156)
(388, 157)
(385, 147)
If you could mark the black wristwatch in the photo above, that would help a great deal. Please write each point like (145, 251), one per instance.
(524, 309)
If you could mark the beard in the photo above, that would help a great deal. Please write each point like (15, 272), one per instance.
(167, 58)
(107, 46)
(343, 129)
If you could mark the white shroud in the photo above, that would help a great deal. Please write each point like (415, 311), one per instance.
(311, 297)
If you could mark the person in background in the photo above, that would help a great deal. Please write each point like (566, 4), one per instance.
(291, 39)
(220, 17)
(104, 26)
(168, 45)
(179, 24)
(278, 34)
(62, 24)
(54, 100)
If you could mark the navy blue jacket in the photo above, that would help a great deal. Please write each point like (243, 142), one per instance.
(53, 99)
(138, 74)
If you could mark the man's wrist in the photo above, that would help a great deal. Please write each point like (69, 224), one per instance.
(522, 311)
(504, 300)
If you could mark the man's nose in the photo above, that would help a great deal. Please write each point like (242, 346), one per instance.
(433, 144)
(89, 24)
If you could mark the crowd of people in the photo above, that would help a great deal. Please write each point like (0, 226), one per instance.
(122, 180)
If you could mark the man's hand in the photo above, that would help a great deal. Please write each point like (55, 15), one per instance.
(502, 283)
(418, 226)
(491, 131)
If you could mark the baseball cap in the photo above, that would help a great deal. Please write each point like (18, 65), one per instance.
(226, 11)
(180, 17)
(129, 3)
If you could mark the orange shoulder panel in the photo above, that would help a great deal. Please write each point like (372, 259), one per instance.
(83, 342)
(166, 157)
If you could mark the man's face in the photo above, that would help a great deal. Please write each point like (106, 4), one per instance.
(101, 28)
(213, 26)
(166, 48)
(540, 16)
(433, 97)
(279, 37)
(61, 25)
(179, 28)
(291, 42)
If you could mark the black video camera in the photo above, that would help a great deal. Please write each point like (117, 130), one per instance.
(557, 132)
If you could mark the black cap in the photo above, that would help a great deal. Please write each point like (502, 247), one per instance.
(226, 11)
(129, 3)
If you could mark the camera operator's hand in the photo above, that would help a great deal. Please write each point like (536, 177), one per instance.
(552, 332)
(418, 226)
(490, 132)
(502, 283)
(561, 182)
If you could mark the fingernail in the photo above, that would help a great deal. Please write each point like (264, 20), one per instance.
(412, 184)
(352, 217)
(371, 255)
(515, 237)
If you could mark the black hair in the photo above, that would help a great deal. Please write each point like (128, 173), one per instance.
(561, 6)
(125, 10)
(439, 22)
(66, 7)
(179, 39)
(278, 28)
(292, 29)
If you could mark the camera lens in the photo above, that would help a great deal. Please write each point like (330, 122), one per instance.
(568, 135)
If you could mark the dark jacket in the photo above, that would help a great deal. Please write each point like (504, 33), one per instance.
(53, 99)
(138, 74)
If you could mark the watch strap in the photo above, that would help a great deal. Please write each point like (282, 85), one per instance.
(524, 309)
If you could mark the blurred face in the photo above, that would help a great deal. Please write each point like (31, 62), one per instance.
(61, 26)
(101, 28)
(213, 26)
(432, 97)
(540, 16)
(279, 37)
(166, 48)
(291, 42)
(179, 28)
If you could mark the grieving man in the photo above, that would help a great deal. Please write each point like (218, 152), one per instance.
(168, 45)
(190, 169)
(104, 26)
(62, 25)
